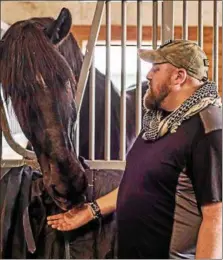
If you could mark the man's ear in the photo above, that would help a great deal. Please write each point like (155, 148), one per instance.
(60, 28)
(181, 76)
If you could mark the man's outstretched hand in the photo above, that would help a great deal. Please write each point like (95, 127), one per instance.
(77, 217)
(71, 219)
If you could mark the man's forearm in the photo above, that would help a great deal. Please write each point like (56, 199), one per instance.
(107, 203)
(209, 243)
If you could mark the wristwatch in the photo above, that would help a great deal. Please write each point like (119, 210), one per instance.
(95, 210)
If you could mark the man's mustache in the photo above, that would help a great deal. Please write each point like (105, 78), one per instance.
(149, 84)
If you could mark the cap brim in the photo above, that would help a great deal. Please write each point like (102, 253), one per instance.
(151, 56)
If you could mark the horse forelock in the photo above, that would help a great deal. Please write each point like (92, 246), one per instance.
(29, 65)
(69, 47)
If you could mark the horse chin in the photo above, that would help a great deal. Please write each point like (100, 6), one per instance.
(56, 189)
(60, 188)
(61, 201)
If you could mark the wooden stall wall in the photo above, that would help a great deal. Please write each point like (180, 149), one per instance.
(81, 33)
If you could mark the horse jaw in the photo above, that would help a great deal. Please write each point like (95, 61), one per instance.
(59, 186)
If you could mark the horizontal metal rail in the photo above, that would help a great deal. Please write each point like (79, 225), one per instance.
(96, 164)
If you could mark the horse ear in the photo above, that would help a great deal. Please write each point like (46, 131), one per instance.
(60, 28)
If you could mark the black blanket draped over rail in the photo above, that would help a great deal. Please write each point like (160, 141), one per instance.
(24, 206)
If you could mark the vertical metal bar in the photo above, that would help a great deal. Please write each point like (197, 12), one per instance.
(108, 83)
(1, 151)
(1, 132)
(77, 135)
(123, 87)
(200, 24)
(92, 111)
(167, 20)
(215, 42)
(185, 20)
(139, 72)
(155, 23)
(88, 54)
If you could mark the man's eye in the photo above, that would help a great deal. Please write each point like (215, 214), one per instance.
(155, 69)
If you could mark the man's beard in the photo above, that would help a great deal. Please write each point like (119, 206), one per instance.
(152, 100)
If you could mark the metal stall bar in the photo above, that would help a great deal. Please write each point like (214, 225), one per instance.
(200, 23)
(123, 87)
(185, 20)
(86, 65)
(92, 111)
(111, 165)
(155, 24)
(108, 83)
(139, 72)
(77, 135)
(8, 136)
(88, 54)
(167, 20)
(215, 42)
(1, 133)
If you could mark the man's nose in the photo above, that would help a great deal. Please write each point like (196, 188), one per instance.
(149, 75)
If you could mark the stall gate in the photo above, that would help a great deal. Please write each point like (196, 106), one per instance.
(167, 32)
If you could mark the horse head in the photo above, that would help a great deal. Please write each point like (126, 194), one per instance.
(73, 55)
(42, 87)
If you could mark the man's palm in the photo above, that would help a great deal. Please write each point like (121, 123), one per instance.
(71, 219)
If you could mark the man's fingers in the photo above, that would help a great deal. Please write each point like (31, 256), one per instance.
(55, 217)
(69, 214)
(64, 227)
(55, 226)
(55, 222)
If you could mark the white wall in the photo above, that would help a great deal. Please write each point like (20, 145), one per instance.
(82, 12)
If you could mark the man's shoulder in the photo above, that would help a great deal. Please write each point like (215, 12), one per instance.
(211, 118)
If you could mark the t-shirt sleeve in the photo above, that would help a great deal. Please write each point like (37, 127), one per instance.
(207, 168)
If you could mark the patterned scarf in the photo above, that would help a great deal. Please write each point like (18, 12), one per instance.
(155, 125)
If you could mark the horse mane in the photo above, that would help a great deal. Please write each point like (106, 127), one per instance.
(29, 62)
(68, 47)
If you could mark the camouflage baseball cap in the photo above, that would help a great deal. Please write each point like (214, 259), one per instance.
(181, 54)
